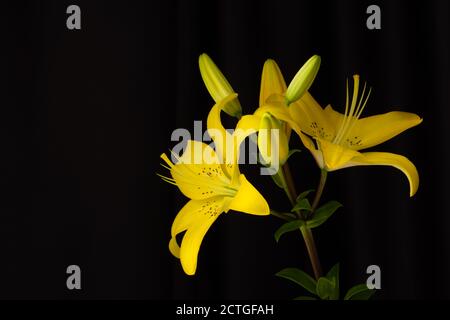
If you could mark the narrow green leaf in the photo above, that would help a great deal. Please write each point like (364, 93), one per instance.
(304, 194)
(323, 213)
(305, 298)
(287, 227)
(359, 292)
(325, 288)
(333, 276)
(299, 277)
(302, 204)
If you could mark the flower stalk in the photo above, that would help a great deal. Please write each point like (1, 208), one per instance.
(305, 231)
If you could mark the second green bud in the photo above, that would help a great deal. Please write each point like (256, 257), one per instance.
(273, 143)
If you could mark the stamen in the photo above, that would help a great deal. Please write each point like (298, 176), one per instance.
(356, 108)
(165, 167)
(212, 179)
(348, 114)
(352, 107)
(365, 102)
(360, 111)
(220, 186)
(166, 160)
(166, 179)
(339, 132)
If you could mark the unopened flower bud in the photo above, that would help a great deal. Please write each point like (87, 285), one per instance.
(217, 85)
(303, 79)
(272, 140)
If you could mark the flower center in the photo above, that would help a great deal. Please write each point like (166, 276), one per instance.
(352, 113)
(207, 179)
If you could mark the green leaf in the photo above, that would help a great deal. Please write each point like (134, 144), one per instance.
(333, 276)
(323, 213)
(304, 194)
(359, 292)
(305, 298)
(299, 277)
(325, 288)
(288, 227)
(302, 204)
(277, 179)
(291, 152)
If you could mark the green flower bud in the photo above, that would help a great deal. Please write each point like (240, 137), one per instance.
(303, 79)
(218, 86)
(273, 143)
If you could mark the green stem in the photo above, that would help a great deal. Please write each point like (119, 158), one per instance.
(312, 251)
(290, 183)
(284, 181)
(323, 180)
(308, 237)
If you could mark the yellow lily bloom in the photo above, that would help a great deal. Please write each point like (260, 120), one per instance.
(338, 138)
(214, 185)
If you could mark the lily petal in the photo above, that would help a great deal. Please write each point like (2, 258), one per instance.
(311, 118)
(389, 159)
(335, 156)
(198, 173)
(272, 81)
(249, 200)
(196, 217)
(276, 106)
(371, 131)
(218, 134)
(248, 125)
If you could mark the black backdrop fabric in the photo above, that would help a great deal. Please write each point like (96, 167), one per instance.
(85, 115)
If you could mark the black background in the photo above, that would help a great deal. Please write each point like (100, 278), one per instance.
(86, 114)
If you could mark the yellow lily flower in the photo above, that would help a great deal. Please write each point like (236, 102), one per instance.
(340, 137)
(214, 185)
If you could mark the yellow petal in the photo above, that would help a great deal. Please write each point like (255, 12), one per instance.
(334, 118)
(371, 131)
(311, 118)
(197, 152)
(218, 86)
(174, 248)
(335, 156)
(374, 130)
(249, 200)
(390, 159)
(219, 135)
(182, 221)
(246, 126)
(276, 106)
(203, 179)
(273, 106)
(303, 79)
(272, 81)
(195, 218)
